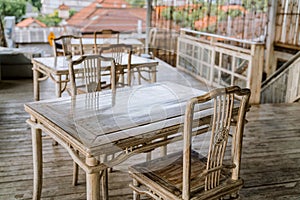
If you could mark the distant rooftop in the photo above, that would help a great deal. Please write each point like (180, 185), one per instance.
(104, 14)
(30, 22)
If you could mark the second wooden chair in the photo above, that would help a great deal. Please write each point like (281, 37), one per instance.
(122, 54)
(91, 67)
(195, 174)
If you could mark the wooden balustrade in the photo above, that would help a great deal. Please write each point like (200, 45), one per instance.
(221, 61)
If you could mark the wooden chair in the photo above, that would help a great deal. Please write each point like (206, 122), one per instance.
(62, 45)
(190, 175)
(149, 54)
(122, 54)
(92, 66)
(106, 35)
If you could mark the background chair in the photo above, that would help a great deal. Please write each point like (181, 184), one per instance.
(108, 36)
(62, 46)
(92, 66)
(122, 56)
(148, 53)
(190, 174)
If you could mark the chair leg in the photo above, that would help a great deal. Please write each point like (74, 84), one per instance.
(104, 180)
(136, 196)
(148, 156)
(104, 184)
(75, 172)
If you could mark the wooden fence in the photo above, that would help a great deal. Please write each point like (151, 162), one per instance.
(287, 28)
(209, 59)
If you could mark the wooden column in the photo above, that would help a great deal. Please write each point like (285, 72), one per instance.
(257, 52)
(148, 25)
(270, 62)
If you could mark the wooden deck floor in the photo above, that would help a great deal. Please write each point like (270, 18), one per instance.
(270, 161)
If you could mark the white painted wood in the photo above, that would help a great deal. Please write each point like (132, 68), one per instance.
(236, 65)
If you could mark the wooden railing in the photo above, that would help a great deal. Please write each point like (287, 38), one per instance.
(221, 61)
(287, 24)
(284, 85)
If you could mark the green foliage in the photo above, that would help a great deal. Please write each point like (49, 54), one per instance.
(136, 3)
(72, 12)
(36, 3)
(51, 19)
(258, 6)
(15, 8)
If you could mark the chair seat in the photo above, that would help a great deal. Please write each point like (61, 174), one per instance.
(164, 176)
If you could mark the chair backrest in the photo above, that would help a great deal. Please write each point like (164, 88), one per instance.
(92, 66)
(225, 105)
(63, 45)
(152, 37)
(106, 35)
(122, 55)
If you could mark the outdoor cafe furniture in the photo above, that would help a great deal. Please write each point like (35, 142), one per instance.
(91, 80)
(62, 46)
(129, 121)
(195, 172)
(89, 43)
(56, 68)
(119, 52)
(107, 36)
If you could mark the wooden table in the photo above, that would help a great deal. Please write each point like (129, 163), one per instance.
(88, 43)
(57, 69)
(129, 121)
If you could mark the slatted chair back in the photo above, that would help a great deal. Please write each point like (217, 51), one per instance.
(122, 55)
(107, 35)
(92, 66)
(63, 45)
(223, 100)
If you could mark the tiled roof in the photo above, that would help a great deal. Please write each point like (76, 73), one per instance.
(63, 7)
(104, 15)
(112, 3)
(29, 21)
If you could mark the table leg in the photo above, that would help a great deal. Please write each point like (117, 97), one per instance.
(58, 86)
(37, 162)
(163, 149)
(153, 76)
(36, 86)
(92, 181)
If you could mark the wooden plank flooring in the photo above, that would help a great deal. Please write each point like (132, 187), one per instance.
(270, 161)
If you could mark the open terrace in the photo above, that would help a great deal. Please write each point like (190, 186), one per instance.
(270, 159)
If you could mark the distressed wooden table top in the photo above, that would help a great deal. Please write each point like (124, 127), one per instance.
(90, 41)
(98, 120)
(60, 64)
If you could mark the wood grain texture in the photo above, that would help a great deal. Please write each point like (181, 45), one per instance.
(270, 159)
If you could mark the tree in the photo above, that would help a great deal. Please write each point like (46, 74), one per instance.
(2, 36)
(51, 19)
(36, 3)
(136, 3)
(15, 8)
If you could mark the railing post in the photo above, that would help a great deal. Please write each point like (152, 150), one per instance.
(257, 53)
